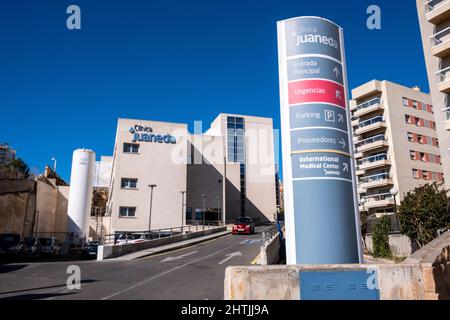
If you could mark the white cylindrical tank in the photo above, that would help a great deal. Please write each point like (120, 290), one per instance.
(80, 196)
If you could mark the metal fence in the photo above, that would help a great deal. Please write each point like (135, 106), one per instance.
(124, 237)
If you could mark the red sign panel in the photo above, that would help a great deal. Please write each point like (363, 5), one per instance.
(307, 91)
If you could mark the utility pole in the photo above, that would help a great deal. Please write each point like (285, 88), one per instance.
(182, 210)
(203, 198)
(151, 202)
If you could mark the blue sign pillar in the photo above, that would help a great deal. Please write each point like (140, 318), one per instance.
(321, 206)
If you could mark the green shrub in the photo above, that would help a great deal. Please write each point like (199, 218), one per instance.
(380, 238)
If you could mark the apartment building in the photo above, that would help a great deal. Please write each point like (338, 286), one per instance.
(396, 143)
(434, 19)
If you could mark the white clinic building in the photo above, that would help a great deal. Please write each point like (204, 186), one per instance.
(162, 176)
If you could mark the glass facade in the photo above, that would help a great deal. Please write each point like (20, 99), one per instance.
(236, 151)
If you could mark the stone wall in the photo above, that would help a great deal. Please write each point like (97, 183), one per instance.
(434, 259)
(17, 206)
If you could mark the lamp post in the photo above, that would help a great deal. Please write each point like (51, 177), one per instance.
(394, 192)
(151, 202)
(54, 164)
(218, 208)
(182, 211)
(363, 202)
(203, 211)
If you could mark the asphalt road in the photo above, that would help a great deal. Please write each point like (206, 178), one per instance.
(196, 272)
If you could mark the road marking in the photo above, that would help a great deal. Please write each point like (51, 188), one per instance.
(255, 261)
(251, 241)
(178, 257)
(166, 272)
(231, 255)
(176, 250)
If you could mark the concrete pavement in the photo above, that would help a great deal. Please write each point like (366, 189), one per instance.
(195, 272)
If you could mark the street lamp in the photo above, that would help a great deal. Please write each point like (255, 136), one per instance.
(394, 192)
(218, 207)
(54, 164)
(182, 210)
(151, 202)
(203, 199)
(362, 202)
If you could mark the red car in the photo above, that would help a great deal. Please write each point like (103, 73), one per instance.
(244, 225)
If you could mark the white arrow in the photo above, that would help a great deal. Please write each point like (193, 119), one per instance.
(345, 167)
(231, 255)
(342, 142)
(338, 95)
(337, 72)
(178, 257)
(340, 118)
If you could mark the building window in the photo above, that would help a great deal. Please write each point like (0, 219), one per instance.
(131, 148)
(127, 183)
(236, 151)
(127, 211)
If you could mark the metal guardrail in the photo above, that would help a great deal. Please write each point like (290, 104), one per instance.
(155, 234)
(269, 234)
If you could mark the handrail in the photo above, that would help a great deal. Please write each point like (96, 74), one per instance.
(382, 195)
(378, 157)
(368, 103)
(155, 234)
(429, 7)
(442, 74)
(371, 139)
(370, 121)
(385, 175)
(434, 38)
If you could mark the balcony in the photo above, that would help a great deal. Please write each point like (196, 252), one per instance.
(376, 180)
(375, 142)
(378, 200)
(446, 118)
(437, 11)
(370, 125)
(440, 43)
(443, 80)
(375, 161)
(368, 107)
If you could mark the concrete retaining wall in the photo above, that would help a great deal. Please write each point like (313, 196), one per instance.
(423, 276)
(395, 282)
(113, 251)
(269, 253)
(400, 244)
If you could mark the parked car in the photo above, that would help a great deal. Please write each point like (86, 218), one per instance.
(50, 246)
(9, 243)
(125, 238)
(244, 225)
(30, 247)
(90, 249)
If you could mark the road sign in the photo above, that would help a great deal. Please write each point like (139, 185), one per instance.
(322, 217)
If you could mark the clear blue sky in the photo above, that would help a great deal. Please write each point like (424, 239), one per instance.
(168, 60)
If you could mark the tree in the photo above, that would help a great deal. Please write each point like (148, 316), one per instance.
(16, 168)
(423, 211)
(380, 240)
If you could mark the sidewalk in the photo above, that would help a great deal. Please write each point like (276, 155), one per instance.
(168, 247)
